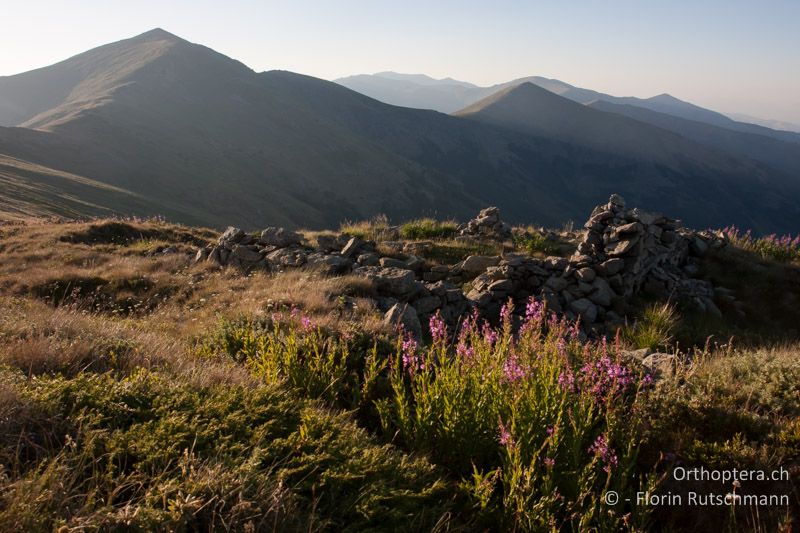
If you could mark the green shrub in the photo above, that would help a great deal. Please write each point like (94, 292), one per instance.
(538, 427)
(428, 228)
(534, 242)
(654, 329)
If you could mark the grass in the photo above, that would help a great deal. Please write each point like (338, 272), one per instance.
(283, 403)
(654, 329)
(533, 242)
(428, 228)
(375, 229)
(784, 248)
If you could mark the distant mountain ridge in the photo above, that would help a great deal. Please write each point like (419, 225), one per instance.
(158, 125)
(382, 86)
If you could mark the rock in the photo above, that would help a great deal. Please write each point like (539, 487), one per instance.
(636, 356)
(427, 304)
(404, 315)
(288, 257)
(391, 262)
(617, 201)
(327, 243)
(397, 282)
(329, 264)
(585, 274)
(245, 257)
(479, 298)
(487, 225)
(602, 294)
(585, 308)
(231, 236)
(368, 259)
(612, 266)
(556, 283)
(623, 247)
(279, 237)
(352, 246)
(475, 264)
(203, 253)
(503, 285)
(660, 365)
(698, 247)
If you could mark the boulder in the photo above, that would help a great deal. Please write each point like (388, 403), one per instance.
(660, 365)
(279, 237)
(475, 264)
(392, 281)
(404, 315)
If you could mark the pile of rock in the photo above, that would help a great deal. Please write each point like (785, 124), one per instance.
(622, 252)
(487, 225)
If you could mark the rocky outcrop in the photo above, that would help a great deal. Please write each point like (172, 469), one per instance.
(487, 225)
(620, 253)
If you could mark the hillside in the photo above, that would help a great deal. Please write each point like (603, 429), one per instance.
(201, 138)
(781, 155)
(143, 387)
(398, 89)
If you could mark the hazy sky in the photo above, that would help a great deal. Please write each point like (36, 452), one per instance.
(728, 55)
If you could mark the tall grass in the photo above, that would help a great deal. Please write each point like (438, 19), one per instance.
(784, 248)
(654, 329)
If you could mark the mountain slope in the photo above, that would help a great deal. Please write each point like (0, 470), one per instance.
(395, 89)
(781, 155)
(201, 138)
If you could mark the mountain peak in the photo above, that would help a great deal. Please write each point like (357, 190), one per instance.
(157, 34)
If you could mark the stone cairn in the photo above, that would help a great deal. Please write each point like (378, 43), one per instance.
(487, 225)
(621, 253)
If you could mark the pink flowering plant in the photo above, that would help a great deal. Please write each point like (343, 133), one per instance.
(780, 248)
(538, 424)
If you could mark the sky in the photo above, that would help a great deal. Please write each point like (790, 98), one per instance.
(738, 56)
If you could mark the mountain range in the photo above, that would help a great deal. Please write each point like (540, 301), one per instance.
(156, 125)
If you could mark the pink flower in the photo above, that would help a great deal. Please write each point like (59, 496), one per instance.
(512, 370)
(305, 321)
(438, 328)
(504, 436)
(411, 360)
(549, 462)
(602, 450)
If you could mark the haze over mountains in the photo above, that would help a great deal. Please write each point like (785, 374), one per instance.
(158, 125)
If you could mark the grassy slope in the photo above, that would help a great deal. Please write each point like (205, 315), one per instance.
(100, 368)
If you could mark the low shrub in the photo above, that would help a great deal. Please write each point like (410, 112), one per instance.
(784, 248)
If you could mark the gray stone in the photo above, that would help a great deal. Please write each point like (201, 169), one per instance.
(585, 274)
(352, 246)
(556, 283)
(613, 266)
(393, 281)
(279, 237)
(427, 304)
(475, 264)
(503, 285)
(406, 316)
(479, 298)
(602, 294)
(231, 236)
(585, 308)
(660, 365)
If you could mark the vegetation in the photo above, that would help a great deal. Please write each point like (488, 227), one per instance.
(534, 242)
(428, 228)
(282, 403)
(783, 248)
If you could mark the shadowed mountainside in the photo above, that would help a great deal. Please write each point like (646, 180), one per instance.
(201, 138)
